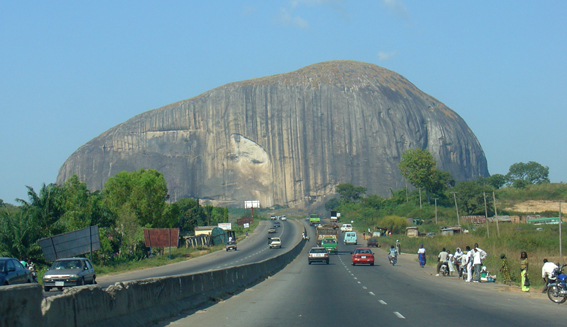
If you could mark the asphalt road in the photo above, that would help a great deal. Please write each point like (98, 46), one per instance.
(340, 294)
(252, 249)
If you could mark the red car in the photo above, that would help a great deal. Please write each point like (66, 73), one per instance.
(362, 255)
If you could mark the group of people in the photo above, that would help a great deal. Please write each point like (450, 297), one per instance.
(469, 262)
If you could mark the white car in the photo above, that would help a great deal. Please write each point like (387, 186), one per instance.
(275, 242)
(283, 217)
(346, 228)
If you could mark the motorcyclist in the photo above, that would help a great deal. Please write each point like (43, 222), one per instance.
(393, 253)
(31, 267)
(443, 258)
(547, 273)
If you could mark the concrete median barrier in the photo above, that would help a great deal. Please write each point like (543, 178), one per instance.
(132, 303)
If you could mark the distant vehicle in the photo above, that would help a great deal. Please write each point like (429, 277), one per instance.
(275, 243)
(431, 234)
(362, 256)
(350, 238)
(328, 237)
(273, 217)
(230, 246)
(277, 224)
(284, 218)
(372, 242)
(334, 217)
(314, 219)
(271, 230)
(12, 272)
(346, 228)
(69, 272)
(318, 254)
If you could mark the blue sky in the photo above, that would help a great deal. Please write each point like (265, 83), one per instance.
(70, 70)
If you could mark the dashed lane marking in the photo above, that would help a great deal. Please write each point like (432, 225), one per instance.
(399, 315)
(372, 294)
(383, 302)
(364, 287)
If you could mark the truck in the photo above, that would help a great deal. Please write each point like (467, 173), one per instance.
(334, 217)
(314, 219)
(328, 237)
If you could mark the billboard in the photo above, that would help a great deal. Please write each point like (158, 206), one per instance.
(70, 244)
(251, 204)
(161, 237)
(225, 226)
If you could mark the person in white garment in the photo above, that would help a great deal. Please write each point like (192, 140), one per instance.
(479, 255)
(469, 256)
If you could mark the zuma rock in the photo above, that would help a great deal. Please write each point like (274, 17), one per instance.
(286, 139)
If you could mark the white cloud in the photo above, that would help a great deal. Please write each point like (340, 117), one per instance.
(396, 7)
(286, 18)
(385, 56)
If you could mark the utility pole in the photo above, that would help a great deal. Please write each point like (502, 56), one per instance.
(486, 215)
(560, 228)
(420, 198)
(457, 207)
(496, 214)
(436, 209)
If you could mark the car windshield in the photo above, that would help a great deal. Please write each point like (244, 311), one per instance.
(363, 251)
(2, 265)
(318, 251)
(329, 241)
(67, 264)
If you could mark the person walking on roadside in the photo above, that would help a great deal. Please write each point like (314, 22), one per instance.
(398, 247)
(478, 256)
(442, 259)
(421, 256)
(505, 270)
(469, 260)
(457, 261)
(524, 265)
(547, 272)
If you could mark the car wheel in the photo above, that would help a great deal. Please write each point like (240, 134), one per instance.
(309, 262)
(353, 263)
(81, 282)
(327, 261)
(60, 289)
(47, 288)
(372, 264)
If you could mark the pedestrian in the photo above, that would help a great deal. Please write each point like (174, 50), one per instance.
(398, 247)
(547, 273)
(505, 270)
(478, 256)
(469, 257)
(363, 236)
(390, 234)
(421, 256)
(457, 260)
(524, 265)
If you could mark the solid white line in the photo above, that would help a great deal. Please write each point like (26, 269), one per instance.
(382, 301)
(372, 294)
(399, 315)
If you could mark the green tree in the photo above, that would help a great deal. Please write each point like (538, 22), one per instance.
(348, 192)
(332, 204)
(18, 236)
(191, 214)
(45, 209)
(418, 168)
(470, 197)
(522, 174)
(395, 224)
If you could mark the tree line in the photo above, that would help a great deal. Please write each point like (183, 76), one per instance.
(128, 203)
(431, 184)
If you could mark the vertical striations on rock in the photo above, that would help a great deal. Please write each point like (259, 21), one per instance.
(286, 139)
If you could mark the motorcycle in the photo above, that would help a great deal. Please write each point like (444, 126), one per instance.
(33, 271)
(444, 270)
(557, 289)
(393, 259)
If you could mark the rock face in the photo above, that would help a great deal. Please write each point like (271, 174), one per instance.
(286, 139)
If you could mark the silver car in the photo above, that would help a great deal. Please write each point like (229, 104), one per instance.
(69, 272)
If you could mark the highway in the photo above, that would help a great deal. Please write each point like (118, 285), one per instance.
(340, 294)
(252, 249)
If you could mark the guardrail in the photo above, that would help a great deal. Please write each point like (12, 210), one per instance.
(131, 303)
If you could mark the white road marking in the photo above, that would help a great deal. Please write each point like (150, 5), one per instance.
(382, 302)
(364, 287)
(399, 315)
(355, 278)
(372, 294)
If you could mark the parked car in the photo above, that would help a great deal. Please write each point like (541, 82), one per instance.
(12, 272)
(230, 246)
(362, 256)
(271, 230)
(69, 272)
(372, 242)
(350, 238)
(318, 254)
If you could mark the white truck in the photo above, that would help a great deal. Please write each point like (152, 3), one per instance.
(275, 243)
(334, 216)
